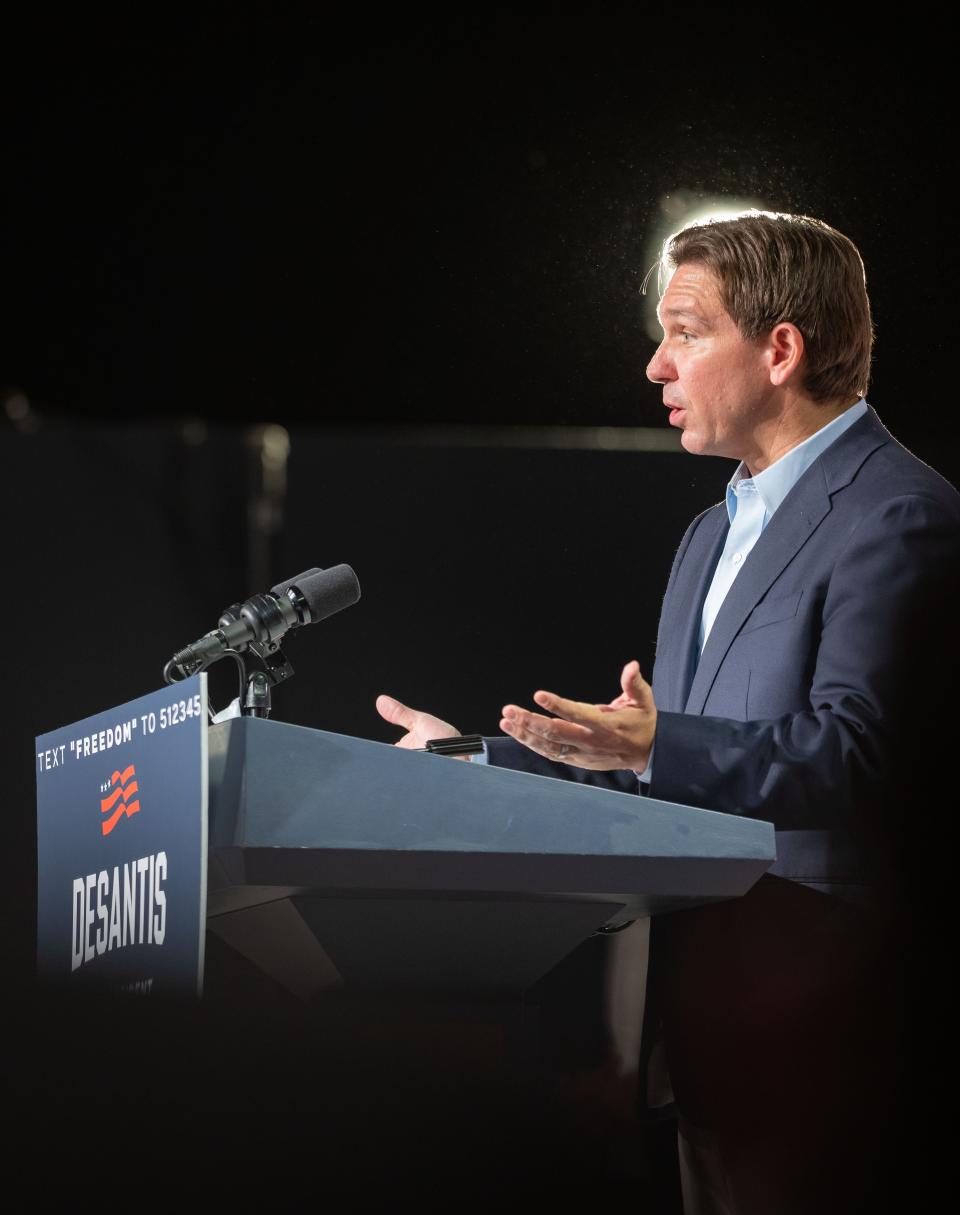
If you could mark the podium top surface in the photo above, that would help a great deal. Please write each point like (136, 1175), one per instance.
(347, 802)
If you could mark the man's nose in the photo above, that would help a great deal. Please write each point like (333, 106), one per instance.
(660, 369)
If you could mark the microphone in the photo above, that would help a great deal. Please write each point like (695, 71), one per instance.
(264, 619)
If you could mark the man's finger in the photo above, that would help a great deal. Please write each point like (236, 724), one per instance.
(628, 678)
(554, 730)
(550, 749)
(569, 710)
(635, 686)
(395, 712)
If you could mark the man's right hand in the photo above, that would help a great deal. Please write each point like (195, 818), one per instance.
(420, 727)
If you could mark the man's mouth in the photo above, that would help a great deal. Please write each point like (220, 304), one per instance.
(676, 413)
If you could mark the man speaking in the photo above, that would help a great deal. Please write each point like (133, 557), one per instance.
(803, 624)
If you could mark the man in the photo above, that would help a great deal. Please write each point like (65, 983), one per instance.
(799, 640)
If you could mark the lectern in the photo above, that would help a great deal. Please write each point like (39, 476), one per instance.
(336, 862)
(410, 903)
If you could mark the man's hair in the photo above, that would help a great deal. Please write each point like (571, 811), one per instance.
(773, 268)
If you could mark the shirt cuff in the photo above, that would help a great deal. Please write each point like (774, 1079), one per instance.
(646, 776)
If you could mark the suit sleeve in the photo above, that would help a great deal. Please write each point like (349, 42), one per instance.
(874, 673)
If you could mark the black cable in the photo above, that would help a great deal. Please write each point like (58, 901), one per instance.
(171, 666)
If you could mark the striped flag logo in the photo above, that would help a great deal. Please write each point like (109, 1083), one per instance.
(125, 788)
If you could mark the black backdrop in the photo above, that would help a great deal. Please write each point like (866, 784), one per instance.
(247, 215)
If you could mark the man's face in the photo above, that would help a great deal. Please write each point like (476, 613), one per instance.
(716, 385)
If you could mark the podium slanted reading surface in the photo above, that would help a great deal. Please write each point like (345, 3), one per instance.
(339, 862)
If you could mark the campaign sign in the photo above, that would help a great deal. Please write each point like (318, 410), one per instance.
(122, 846)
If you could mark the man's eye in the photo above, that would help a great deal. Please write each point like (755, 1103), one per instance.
(685, 335)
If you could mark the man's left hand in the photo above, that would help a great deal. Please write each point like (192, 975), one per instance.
(599, 737)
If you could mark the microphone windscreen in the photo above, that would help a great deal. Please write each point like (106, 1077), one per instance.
(282, 587)
(328, 591)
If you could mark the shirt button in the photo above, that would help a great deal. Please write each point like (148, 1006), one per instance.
(737, 558)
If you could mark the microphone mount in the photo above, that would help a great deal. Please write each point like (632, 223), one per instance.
(254, 629)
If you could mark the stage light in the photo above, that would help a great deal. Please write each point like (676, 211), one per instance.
(678, 210)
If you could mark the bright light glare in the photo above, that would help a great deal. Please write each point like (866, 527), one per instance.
(679, 210)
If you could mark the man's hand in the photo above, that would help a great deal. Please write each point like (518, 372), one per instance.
(600, 737)
(420, 727)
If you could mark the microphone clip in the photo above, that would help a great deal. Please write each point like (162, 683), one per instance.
(276, 665)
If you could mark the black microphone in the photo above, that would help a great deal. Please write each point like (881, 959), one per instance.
(264, 619)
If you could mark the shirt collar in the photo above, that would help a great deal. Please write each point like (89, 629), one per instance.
(774, 483)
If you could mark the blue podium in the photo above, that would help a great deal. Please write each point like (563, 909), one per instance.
(335, 862)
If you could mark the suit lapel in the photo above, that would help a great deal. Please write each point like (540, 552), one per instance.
(686, 598)
(801, 513)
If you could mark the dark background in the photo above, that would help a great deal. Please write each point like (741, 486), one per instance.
(254, 217)
(355, 230)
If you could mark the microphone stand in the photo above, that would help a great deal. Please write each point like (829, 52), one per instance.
(256, 701)
(255, 685)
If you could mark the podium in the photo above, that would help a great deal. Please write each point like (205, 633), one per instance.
(335, 862)
(401, 920)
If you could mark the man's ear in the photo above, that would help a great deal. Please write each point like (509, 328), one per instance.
(784, 351)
